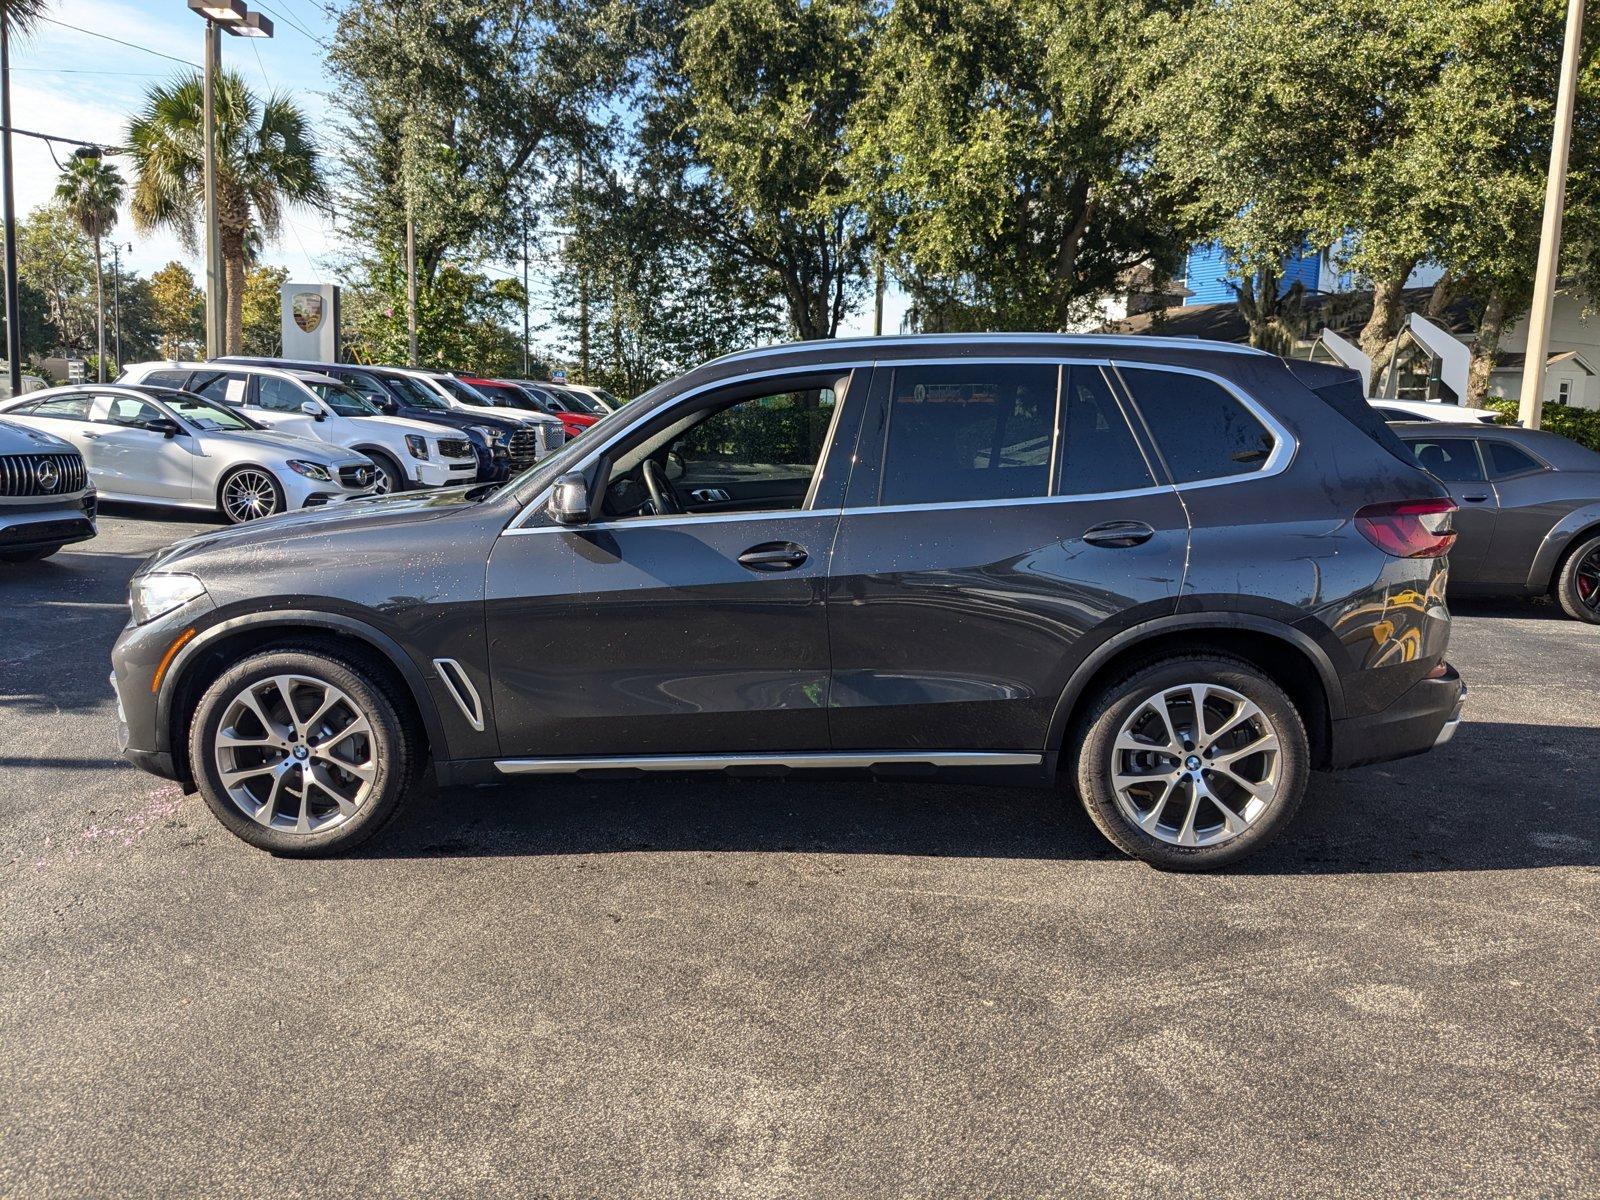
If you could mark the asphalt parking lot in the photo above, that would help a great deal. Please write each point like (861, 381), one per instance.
(795, 989)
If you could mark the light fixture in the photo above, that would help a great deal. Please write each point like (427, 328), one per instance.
(253, 25)
(223, 12)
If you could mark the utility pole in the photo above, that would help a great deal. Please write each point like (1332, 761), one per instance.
(877, 294)
(526, 330)
(583, 294)
(13, 303)
(116, 302)
(411, 282)
(1531, 407)
(215, 338)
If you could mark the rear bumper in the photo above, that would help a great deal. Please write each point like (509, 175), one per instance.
(1424, 716)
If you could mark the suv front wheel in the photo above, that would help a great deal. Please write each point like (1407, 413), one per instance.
(1192, 762)
(302, 753)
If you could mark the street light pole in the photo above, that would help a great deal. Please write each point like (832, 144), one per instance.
(214, 300)
(116, 302)
(411, 282)
(1531, 406)
(13, 302)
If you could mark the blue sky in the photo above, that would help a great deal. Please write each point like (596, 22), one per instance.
(79, 85)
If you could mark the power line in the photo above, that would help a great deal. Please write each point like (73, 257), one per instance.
(294, 25)
(120, 42)
(78, 71)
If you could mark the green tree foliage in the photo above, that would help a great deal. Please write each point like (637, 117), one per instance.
(267, 161)
(990, 148)
(54, 260)
(462, 320)
(263, 310)
(768, 87)
(177, 312)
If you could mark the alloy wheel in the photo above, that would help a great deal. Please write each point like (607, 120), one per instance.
(295, 754)
(383, 480)
(249, 495)
(1196, 764)
(1587, 579)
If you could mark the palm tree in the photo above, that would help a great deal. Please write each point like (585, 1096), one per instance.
(90, 190)
(266, 159)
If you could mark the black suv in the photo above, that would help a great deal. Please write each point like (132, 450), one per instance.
(501, 453)
(1176, 576)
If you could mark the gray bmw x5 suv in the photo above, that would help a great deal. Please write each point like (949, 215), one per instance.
(1172, 577)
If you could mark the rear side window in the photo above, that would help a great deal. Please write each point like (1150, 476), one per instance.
(979, 432)
(1454, 460)
(1204, 432)
(1506, 460)
(171, 379)
(225, 387)
(1098, 453)
(72, 408)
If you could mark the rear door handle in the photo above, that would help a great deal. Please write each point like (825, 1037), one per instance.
(774, 556)
(1119, 534)
(93, 437)
(1474, 499)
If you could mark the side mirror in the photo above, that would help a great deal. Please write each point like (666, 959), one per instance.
(569, 502)
(312, 409)
(165, 426)
(389, 405)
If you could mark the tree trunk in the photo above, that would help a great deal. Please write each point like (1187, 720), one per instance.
(1378, 335)
(1491, 326)
(99, 315)
(233, 265)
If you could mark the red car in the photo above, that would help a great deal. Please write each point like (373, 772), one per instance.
(525, 396)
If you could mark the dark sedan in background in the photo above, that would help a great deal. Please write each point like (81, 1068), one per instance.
(1529, 516)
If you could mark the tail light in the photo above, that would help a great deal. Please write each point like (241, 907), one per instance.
(1409, 528)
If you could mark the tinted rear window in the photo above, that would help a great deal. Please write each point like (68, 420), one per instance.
(1454, 460)
(1506, 460)
(1098, 453)
(979, 432)
(1203, 431)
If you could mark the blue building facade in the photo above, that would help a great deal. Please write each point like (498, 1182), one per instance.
(1206, 274)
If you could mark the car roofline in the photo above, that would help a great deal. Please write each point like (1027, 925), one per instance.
(900, 341)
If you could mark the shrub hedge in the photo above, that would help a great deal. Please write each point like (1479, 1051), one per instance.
(1582, 425)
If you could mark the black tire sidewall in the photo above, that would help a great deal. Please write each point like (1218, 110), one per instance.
(392, 751)
(1097, 734)
(1567, 584)
(397, 478)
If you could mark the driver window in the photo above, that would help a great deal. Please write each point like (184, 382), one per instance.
(131, 412)
(278, 395)
(756, 454)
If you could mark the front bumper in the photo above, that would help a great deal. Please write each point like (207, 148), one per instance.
(49, 522)
(447, 472)
(1424, 716)
(140, 660)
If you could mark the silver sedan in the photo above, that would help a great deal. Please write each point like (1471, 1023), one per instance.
(155, 445)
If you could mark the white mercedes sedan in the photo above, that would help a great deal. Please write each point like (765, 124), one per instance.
(155, 445)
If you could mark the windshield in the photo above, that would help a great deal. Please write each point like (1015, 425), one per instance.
(205, 414)
(345, 401)
(462, 392)
(415, 393)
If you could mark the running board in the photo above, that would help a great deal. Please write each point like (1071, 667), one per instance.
(802, 760)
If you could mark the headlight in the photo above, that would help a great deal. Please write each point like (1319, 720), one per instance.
(495, 437)
(310, 470)
(417, 444)
(151, 596)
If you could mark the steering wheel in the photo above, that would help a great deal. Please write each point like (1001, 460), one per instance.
(661, 493)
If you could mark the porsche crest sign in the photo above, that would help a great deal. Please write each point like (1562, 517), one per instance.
(311, 321)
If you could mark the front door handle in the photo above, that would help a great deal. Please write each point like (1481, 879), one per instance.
(93, 437)
(1119, 534)
(774, 556)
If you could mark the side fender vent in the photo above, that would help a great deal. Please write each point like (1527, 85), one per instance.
(462, 692)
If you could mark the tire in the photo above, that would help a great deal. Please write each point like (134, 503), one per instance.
(33, 554)
(390, 478)
(263, 758)
(1578, 582)
(238, 486)
(1242, 803)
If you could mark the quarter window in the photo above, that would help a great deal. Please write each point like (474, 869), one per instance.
(983, 432)
(1204, 432)
(1098, 453)
(71, 408)
(1454, 460)
(1506, 460)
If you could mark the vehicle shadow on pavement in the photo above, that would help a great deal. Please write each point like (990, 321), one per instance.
(1512, 608)
(1499, 797)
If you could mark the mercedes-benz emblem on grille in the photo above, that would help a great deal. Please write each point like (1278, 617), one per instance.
(47, 475)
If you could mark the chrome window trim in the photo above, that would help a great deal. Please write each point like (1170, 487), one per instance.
(855, 760)
(1285, 445)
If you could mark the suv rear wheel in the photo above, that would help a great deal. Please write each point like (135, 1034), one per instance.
(1192, 762)
(302, 753)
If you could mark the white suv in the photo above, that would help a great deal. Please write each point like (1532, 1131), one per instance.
(407, 453)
